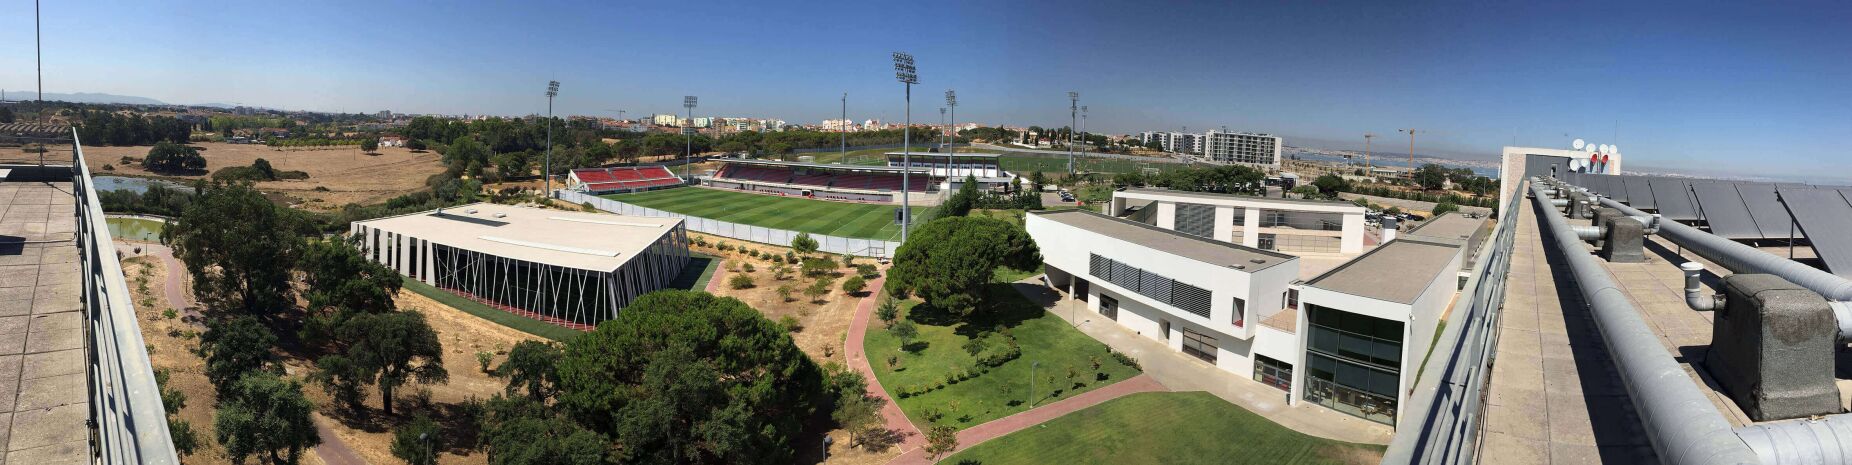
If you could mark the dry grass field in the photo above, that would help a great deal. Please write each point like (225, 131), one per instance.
(349, 175)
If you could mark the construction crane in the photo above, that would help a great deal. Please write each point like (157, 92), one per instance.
(1411, 149)
(1367, 169)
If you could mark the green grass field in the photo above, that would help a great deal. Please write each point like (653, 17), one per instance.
(1024, 162)
(1163, 428)
(1000, 391)
(842, 219)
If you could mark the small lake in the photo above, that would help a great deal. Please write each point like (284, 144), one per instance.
(139, 185)
(135, 229)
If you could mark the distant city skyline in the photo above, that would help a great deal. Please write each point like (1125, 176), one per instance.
(1751, 87)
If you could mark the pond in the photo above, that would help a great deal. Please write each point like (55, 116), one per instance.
(139, 185)
(135, 229)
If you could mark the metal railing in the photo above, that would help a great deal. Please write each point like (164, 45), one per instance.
(780, 237)
(1441, 423)
(130, 424)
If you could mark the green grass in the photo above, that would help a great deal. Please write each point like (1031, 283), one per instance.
(1025, 162)
(874, 157)
(1003, 390)
(842, 219)
(694, 276)
(1163, 428)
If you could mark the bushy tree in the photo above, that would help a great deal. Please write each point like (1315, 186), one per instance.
(342, 379)
(418, 441)
(940, 440)
(369, 145)
(520, 431)
(948, 261)
(340, 283)
(466, 156)
(264, 414)
(804, 244)
(239, 248)
(395, 348)
(689, 377)
(854, 285)
(169, 157)
(961, 203)
(1431, 176)
(1331, 184)
(1445, 207)
(531, 367)
(233, 348)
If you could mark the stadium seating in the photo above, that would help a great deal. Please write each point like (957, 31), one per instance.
(625, 178)
(877, 181)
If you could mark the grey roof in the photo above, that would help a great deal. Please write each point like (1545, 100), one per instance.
(832, 166)
(1451, 226)
(1395, 272)
(1213, 195)
(1168, 241)
(1826, 215)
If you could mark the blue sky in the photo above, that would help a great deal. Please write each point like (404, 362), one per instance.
(1756, 86)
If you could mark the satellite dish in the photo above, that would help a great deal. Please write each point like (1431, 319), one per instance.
(1578, 144)
(1578, 165)
(1590, 148)
(1614, 149)
(1605, 148)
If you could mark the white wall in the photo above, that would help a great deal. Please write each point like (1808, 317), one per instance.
(1350, 238)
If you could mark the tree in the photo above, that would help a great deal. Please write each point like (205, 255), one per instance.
(1036, 180)
(341, 282)
(1331, 184)
(854, 285)
(1431, 176)
(234, 348)
(803, 244)
(395, 348)
(417, 442)
(941, 440)
(369, 145)
(961, 203)
(689, 377)
(238, 247)
(1444, 207)
(888, 311)
(265, 414)
(948, 261)
(530, 367)
(466, 156)
(169, 157)
(342, 379)
(856, 412)
(904, 331)
(519, 431)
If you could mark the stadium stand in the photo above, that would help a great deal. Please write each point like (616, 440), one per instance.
(622, 179)
(831, 182)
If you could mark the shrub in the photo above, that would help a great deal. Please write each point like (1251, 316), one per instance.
(790, 323)
(819, 288)
(781, 273)
(1124, 359)
(848, 261)
(108, 167)
(777, 259)
(854, 285)
(785, 291)
(932, 414)
(169, 314)
(483, 359)
(747, 266)
(888, 311)
(867, 270)
(975, 344)
(740, 281)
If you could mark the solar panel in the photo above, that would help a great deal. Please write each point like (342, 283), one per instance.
(1723, 209)
(1828, 214)
(1615, 188)
(1673, 197)
(1767, 211)
(1638, 194)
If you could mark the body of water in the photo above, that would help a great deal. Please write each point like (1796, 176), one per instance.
(139, 185)
(135, 229)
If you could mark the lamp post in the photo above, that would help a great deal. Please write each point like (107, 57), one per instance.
(951, 101)
(1083, 125)
(552, 91)
(688, 135)
(424, 438)
(1032, 367)
(1073, 110)
(941, 136)
(842, 127)
(908, 76)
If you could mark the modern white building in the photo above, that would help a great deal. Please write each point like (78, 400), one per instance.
(573, 269)
(1243, 148)
(666, 120)
(1350, 339)
(1285, 225)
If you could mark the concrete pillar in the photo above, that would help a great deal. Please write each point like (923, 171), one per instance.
(1772, 348)
(1225, 224)
(1351, 241)
(1166, 215)
(1250, 235)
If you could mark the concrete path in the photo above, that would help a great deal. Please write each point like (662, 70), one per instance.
(1181, 372)
(910, 436)
(1002, 426)
(332, 450)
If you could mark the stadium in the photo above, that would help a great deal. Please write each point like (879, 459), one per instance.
(567, 268)
(849, 183)
(622, 179)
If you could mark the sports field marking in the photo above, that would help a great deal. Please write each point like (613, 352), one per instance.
(843, 219)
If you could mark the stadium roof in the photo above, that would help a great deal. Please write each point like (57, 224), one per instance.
(1239, 197)
(830, 166)
(1164, 240)
(952, 154)
(1395, 272)
(587, 241)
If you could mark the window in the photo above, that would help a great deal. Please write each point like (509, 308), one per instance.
(1199, 345)
(1292, 299)
(1241, 311)
(1273, 372)
(1355, 363)
(1109, 308)
(1196, 219)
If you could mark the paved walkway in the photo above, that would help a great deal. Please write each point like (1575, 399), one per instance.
(44, 395)
(910, 436)
(1185, 373)
(1554, 394)
(1002, 426)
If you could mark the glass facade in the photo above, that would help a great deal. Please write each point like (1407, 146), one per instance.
(1273, 372)
(1199, 345)
(1353, 363)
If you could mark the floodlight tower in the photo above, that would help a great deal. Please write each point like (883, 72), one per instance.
(1367, 168)
(1073, 115)
(1083, 123)
(941, 136)
(552, 91)
(1411, 149)
(842, 127)
(908, 76)
(951, 101)
(688, 135)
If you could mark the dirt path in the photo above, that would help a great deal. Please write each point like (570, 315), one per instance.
(332, 450)
(910, 437)
(997, 428)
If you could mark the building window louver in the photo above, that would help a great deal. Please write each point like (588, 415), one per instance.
(1196, 219)
(1125, 276)
(1100, 267)
(1177, 294)
(1190, 298)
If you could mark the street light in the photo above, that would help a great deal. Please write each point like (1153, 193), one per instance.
(688, 135)
(842, 126)
(552, 91)
(423, 437)
(1032, 367)
(908, 76)
(1073, 110)
(1083, 124)
(941, 136)
(951, 100)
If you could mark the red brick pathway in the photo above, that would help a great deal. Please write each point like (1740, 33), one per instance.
(911, 438)
(997, 428)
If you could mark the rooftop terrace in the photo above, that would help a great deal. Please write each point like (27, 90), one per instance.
(43, 395)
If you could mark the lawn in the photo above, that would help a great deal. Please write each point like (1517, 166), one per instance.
(1163, 428)
(1026, 162)
(996, 392)
(867, 221)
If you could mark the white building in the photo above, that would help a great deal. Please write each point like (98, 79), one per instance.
(843, 125)
(1286, 225)
(666, 120)
(1244, 148)
(573, 269)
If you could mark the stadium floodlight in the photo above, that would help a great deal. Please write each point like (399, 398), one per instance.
(1083, 123)
(951, 100)
(552, 91)
(688, 134)
(908, 76)
(842, 126)
(940, 138)
(1073, 110)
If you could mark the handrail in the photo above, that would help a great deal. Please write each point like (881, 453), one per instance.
(1450, 398)
(129, 423)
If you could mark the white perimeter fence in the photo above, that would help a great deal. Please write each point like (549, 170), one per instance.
(745, 232)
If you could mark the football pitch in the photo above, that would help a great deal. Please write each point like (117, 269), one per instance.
(841, 219)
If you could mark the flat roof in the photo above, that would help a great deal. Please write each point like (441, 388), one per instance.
(951, 154)
(1451, 226)
(587, 241)
(1395, 272)
(1172, 242)
(831, 166)
(1239, 197)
